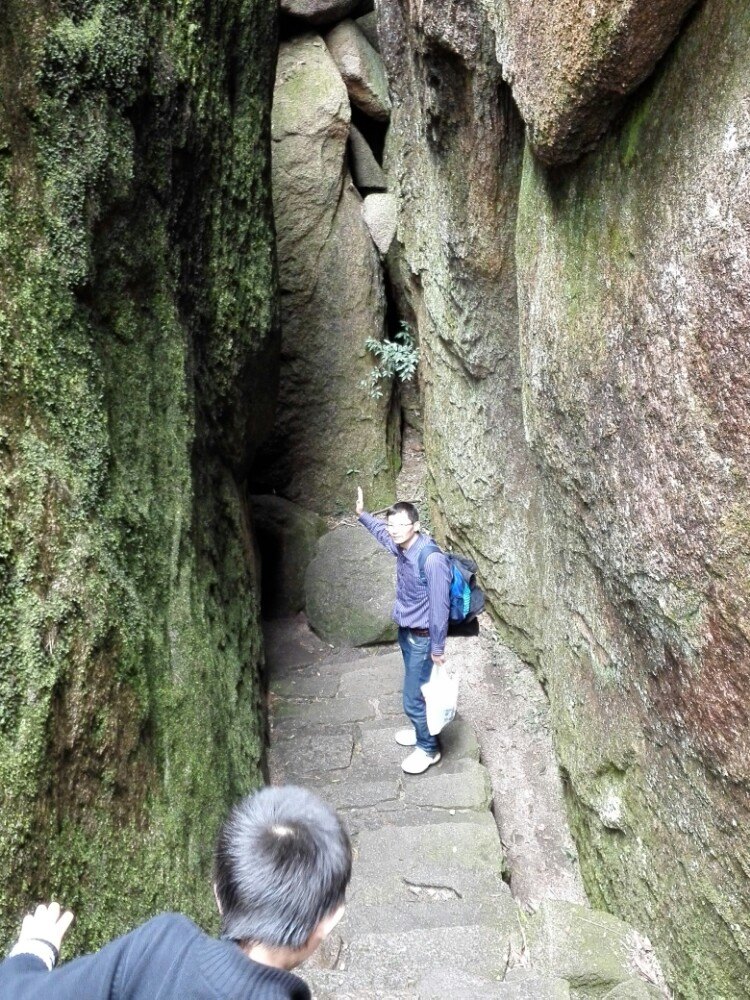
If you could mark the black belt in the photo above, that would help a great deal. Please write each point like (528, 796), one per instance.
(419, 631)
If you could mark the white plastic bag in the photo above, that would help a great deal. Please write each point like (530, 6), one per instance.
(441, 697)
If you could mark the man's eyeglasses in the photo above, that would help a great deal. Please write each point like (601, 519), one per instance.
(398, 525)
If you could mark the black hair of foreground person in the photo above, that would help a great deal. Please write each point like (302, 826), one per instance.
(271, 851)
(281, 867)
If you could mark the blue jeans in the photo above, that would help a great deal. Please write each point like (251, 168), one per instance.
(417, 669)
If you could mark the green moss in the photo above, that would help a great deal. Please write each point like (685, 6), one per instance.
(605, 37)
(137, 305)
(631, 135)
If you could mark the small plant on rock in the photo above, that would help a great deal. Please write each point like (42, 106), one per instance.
(397, 358)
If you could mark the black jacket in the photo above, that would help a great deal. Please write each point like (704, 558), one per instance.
(168, 958)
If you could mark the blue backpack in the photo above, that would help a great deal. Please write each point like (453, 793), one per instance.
(466, 597)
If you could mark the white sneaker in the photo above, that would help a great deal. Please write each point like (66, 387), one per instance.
(419, 761)
(406, 737)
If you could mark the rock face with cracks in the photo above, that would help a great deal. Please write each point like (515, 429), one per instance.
(600, 476)
(572, 64)
(137, 372)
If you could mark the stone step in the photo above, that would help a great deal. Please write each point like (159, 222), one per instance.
(390, 965)
(431, 907)
(306, 757)
(325, 660)
(383, 675)
(376, 674)
(292, 719)
(463, 859)
(334, 762)
(377, 741)
(451, 784)
(458, 985)
(399, 815)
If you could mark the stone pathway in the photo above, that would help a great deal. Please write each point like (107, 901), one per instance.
(430, 912)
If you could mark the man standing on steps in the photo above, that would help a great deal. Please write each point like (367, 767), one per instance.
(421, 613)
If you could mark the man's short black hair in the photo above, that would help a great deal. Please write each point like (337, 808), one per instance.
(404, 507)
(282, 863)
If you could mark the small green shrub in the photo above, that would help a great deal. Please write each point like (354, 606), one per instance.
(397, 358)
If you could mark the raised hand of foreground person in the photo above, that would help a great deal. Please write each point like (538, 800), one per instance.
(47, 925)
(360, 505)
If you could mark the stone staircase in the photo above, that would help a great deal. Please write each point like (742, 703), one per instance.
(429, 913)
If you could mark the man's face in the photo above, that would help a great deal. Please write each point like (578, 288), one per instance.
(402, 530)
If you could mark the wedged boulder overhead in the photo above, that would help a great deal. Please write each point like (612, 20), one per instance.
(379, 213)
(328, 427)
(366, 171)
(571, 64)
(317, 12)
(349, 589)
(368, 25)
(361, 68)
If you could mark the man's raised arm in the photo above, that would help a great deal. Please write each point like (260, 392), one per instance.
(376, 528)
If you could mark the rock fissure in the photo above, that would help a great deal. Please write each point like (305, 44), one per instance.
(577, 338)
(560, 216)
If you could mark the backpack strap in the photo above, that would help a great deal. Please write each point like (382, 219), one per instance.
(428, 549)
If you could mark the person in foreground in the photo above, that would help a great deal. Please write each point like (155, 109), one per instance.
(421, 613)
(281, 867)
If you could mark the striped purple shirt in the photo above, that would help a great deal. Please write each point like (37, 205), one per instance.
(417, 605)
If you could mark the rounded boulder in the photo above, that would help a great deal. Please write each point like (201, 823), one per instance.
(349, 589)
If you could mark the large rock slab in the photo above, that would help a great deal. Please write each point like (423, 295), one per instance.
(614, 548)
(138, 363)
(572, 64)
(634, 289)
(361, 68)
(328, 428)
(286, 535)
(350, 588)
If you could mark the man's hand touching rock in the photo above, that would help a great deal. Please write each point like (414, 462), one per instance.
(360, 505)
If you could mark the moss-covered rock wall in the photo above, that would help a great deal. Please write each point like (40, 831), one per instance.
(138, 348)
